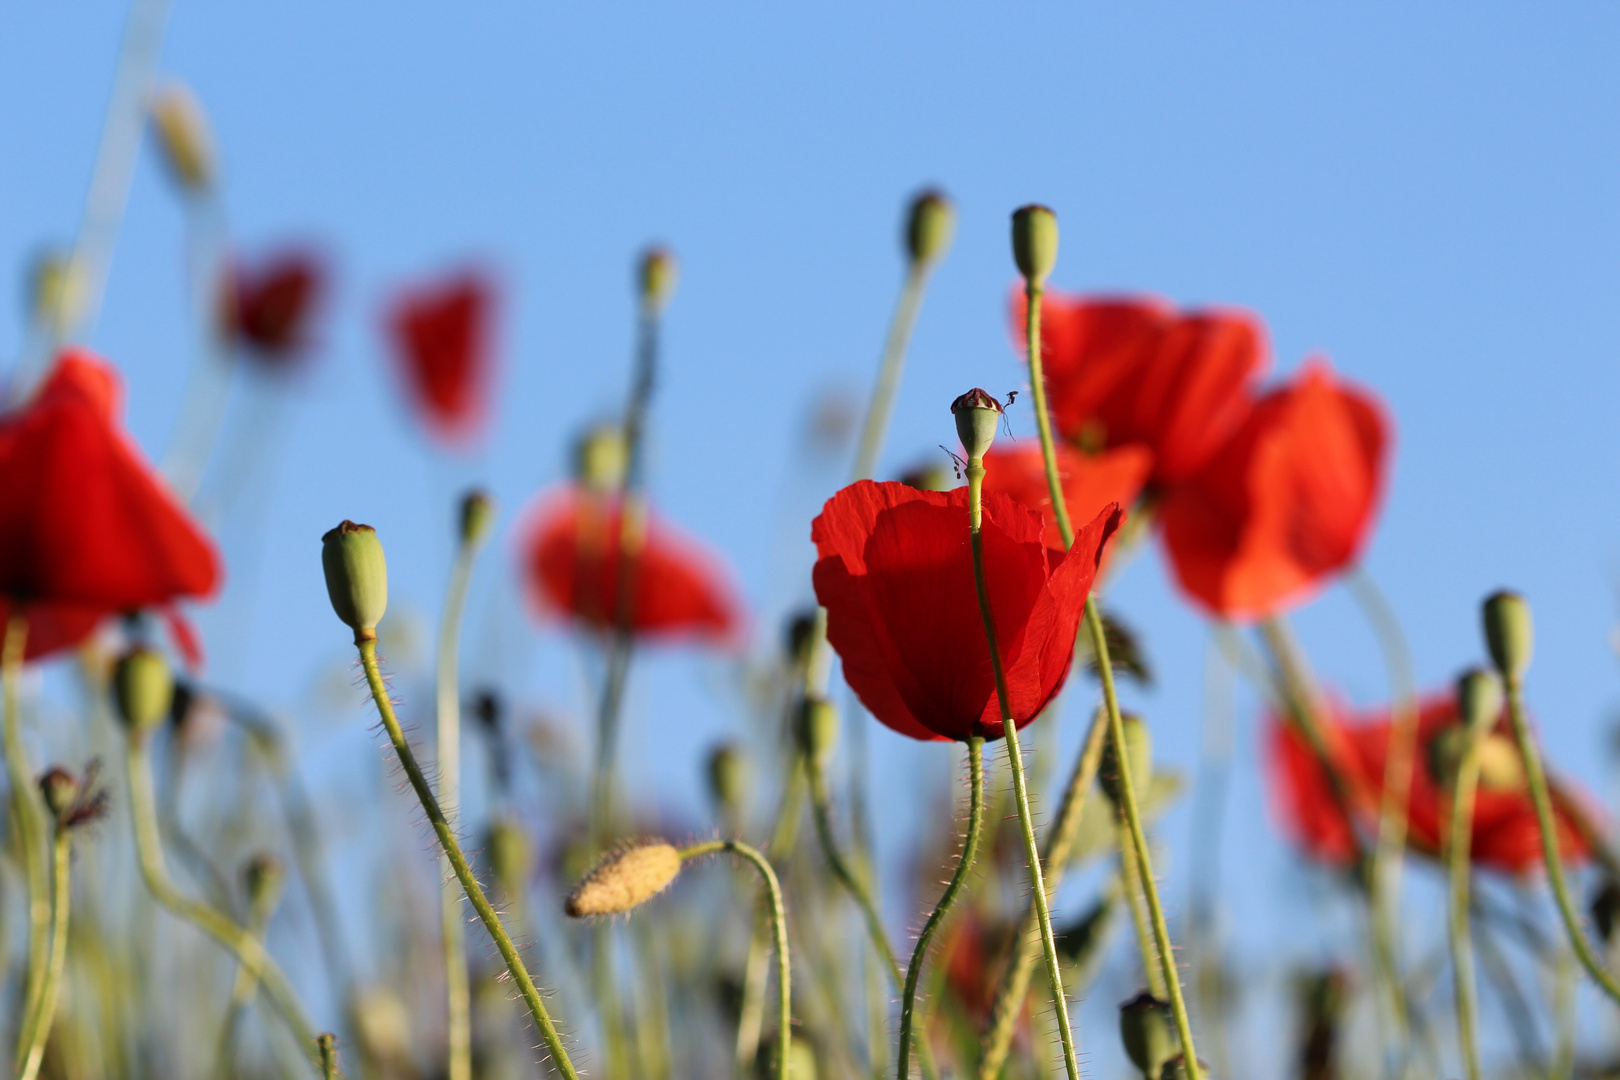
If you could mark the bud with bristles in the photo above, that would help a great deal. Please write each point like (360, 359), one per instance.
(183, 135)
(264, 876)
(1035, 242)
(1479, 700)
(1144, 1028)
(60, 789)
(601, 459)
(818, 729)
(477, 515)
(356, 577)
(930, 227)
(1138, 751)
(624, 880)
(977, 414)
(1509, 633)
(656, 276)
(731, 778)
(143, 688)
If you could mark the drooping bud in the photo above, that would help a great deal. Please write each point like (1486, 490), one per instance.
(731, 779)
(56, 291)
(477, 515)
(656, 276)
(624, 880)
(1145, 1029)
(818, 729)
(801, 631)
(1509, 633)
(60, 789)
(930, 227)
(356, 577)
(1139, 753)
(1479, 700)
(510, 854)
(977, 414)
(1035, 242)
(143, 688)
(183, 135)
(932, 477)
(264, 877)
(601, 459)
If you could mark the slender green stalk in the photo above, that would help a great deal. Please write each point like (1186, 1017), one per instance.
(458, 861)
(970, 848)
(327, 1044)
(51, 988)
(249, 949)
(1537, 780)
(881, 406)
(28, 815)
(245, 986)
(784, 834)
(1459, 839)
(1563, 1005)
(1130, 875)
(784, 975)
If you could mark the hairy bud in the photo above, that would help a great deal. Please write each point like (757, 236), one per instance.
(624, 880)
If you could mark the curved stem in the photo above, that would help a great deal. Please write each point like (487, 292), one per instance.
(1459, 840)
(881, 406)
(1537, 780)
(28, 813)
(50, 989)
(784, 834)
(245, 986)
(970, 847)
(458, 861)
(784, 976)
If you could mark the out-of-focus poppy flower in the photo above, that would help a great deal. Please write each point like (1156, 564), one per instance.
(86, 527)
(970, 953)
(572, 554)
(442, 336)
(1090, 481)
(270, 305)
(895, 573)
(1286, 503)
(1505, 834)
(1131, 371)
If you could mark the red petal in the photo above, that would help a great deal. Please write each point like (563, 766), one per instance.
(1091, 482)
(442, 337)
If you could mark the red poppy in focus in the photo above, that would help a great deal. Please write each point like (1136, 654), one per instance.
(270, 306)
(1090, 481)
(895, 573)
(86, 528)
(572, 554)
(442, 336)
(1129, 371)
(1505, 834)
(1286, 503)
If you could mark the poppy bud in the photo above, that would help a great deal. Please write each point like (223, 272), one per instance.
(356, 577)
(977, 417)
(801, 629)
(928, 478)
(731, 778)
(510, 854)
(1446, 753)
(656, 276)
(1144, 1028)
(1035, 242)
(477, 515)
(61, 792)
(1509, 633)
(601, 459)
(624, 880)
(818, 729)
(183, 135)
(1138, 751)
(264, 876)
(801, 1062)
(144, 688)
(56, 290)
(1479, 700)
(930, 226)
(1605, 909)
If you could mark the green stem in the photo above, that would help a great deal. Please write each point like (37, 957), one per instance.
(784, 834)
(50, 990)
(28, 814)
(784, 976)
(458, 862)
(327, 1044)
(248, 949)
(245, 986)
(1459, 840)
(970, 847)
(878, 410)
(1537, 780)
(1130, 876)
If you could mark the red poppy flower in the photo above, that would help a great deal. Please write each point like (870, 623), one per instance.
(86, 528)
(572, 553)
(1124, 371)
(1287, 502)
(442, 336)
(895, 573)
(1090, 481)
(1505, 835)
(270, 306)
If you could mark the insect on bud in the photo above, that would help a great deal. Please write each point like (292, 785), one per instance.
(1035, 242)
(818, 729)
(183, 135)
(143, 688)
(1479, 700)
(656, 276)
(60, 789)
(731, 779)
(477, 515)
(977, 417)
(356, 577)
(1509, 633)
(264, 876)
(624, 880)
(930, 227)
(1139, 753)
(1144, 1028)
(601, 459)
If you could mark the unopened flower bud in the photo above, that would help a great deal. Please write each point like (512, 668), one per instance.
(801, 632)
(928, 478)
(731, 778)
(602, 458)
(510, 854)
(624, 880)
(60, 789)
(356, 577)
(656, 276)
(143, 687)
(56, 291)
(1509, 633)
(1479, 700)
(977, 416)
(1138, 751)
(477, 515)
(183, 135)
(930, 227)
(1035, 242)
(1605, 909)
(1145, 1029)
(264, 877)
(818, 729)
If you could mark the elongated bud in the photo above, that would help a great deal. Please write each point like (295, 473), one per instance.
(930, 227)
(601, 459)
(731, 779)
(818, 729)
(1035, 242)
(1509, 633)
(56, 290)
(624, 880)
(356, 577)
(656, 277)
(183, 135)
(977, 414)
(60, 789)
(264, 877)
(143, 688)
(511, 855)
(1145, 1029)
(1139, 752)
(1479, 700)
(477, 516)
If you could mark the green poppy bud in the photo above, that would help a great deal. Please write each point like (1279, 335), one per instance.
(977, 417)
(356, 577)
(1138, 751)
(731, 778)
(1479, 700)
(801, 632)
(264, 876)
(183, 136)
(602, 458)
(1145, 1029)
(1446, 753)
(1509, 633)
(928, 478)
(1035, 242)
(477, 516)
(818, 729)
(511, 855)
(60, 790)
(656, 276)
(1605, 909)
(143, 687)
(930, 227)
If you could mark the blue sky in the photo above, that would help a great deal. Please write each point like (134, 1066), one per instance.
(1424, 193)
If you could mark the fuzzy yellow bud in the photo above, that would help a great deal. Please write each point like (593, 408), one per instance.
(183, 134)
(624, 880)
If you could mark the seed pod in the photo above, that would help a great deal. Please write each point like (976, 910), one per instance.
(1479, 700)
(624, 880)
(977, 416)
(1035, 242)
(356, 577)
(143, 688)
(477, 515)
(602, 459)
(264, 877)
(656, 276)
(1509, 633)
(930, 227)
(183, 135)
(731, 779)
(1144, 1028)
(1138, 751)
(818, 729)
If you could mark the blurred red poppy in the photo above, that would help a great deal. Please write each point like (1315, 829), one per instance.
(572, 551)
(1286, 503)
(86, 527)
(270, 305)
(895, 573)
(1090, 481)
(442, 337)
(1505, 835)
(1130, 371)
